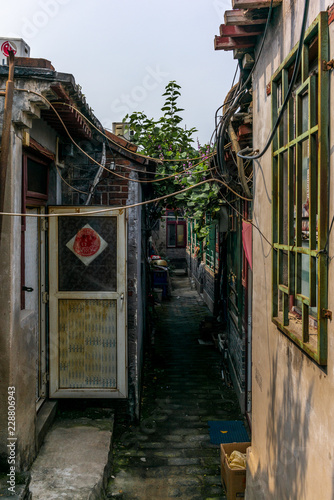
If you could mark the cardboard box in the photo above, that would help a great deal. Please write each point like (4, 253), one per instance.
(233, 480)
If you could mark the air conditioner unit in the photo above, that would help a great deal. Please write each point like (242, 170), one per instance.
(18, 45)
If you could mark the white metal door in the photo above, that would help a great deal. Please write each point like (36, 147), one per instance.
(88, 345)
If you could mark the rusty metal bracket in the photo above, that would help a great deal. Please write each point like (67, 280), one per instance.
(326, 313)
(327, 65)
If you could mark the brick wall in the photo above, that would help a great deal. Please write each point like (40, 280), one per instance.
(111, 189)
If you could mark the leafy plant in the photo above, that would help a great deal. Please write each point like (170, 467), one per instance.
(168, 141)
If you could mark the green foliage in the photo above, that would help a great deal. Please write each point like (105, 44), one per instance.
(166, 139)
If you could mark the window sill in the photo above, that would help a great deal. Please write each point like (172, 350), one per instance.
(293, 331)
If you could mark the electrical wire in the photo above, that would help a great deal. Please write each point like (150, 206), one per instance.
(289, 92)
(69, 185)
(125, 207)
(93, 159)
(250, 222)
(157, 160)
(236, 98)
(325, 249)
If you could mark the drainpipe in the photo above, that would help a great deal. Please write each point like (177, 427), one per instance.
(6, 129)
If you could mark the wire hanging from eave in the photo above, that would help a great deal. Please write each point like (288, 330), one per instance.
(99, 164)
(289, 92)
(236, 98)
(243, 86)
(126, 207)
(102, 132)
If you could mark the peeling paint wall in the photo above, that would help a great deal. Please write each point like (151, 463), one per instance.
(17, 344)
(292, 450)
(19, 328)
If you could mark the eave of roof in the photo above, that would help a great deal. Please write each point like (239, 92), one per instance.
(65, 90)
(243, 25)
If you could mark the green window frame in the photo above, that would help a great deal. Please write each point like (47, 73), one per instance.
(300, 196)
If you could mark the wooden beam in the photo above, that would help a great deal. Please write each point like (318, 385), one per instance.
(254, 4)
(228, 43)
(239, 31)
(242, 18)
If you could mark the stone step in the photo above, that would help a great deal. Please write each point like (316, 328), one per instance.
(74, 462)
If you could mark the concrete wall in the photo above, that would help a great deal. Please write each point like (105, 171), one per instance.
(135, 314)
(209, 280)
(159, 237)
(18, 328)
(203, 279)
(292, 453)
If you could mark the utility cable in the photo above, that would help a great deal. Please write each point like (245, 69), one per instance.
(157, 160)
(93, 159)
(289, 92)
(250, 222)
(123, 207)
(69, 185)
(236, 98)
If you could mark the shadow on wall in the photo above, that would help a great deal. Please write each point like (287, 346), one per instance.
(284, 476)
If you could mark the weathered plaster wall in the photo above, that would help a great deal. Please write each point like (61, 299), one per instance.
(44, 134)
(203, 278)
(18, 349)
(292, 449)
(7, 283)
(135, 317)
(159, 237)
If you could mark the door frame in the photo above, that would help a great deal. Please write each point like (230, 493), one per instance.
(120, 295)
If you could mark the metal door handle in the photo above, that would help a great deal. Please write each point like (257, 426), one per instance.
(122, 296)
(27, 289)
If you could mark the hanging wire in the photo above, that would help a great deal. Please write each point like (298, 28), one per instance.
(98, 163)
(233, 102)
(289, 92)
(125, 207)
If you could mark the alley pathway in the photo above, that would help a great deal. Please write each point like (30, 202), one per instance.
(169, 454)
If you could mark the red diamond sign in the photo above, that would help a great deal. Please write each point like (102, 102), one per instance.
(87, 244)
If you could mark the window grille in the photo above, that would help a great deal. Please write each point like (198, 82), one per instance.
(300, 196)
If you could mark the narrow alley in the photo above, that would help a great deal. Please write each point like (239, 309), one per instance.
(169, 455)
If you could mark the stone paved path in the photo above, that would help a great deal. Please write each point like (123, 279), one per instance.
(169, 454)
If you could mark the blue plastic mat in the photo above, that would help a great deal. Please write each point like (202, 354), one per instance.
(227, 431)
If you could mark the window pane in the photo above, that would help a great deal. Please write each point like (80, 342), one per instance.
(285, 205)
(304, 117)
(180, 228)
(171, 235)
(284, 127)
(37, 176)
(305, 191)
(170, 215)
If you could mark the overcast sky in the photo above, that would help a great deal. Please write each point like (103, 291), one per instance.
(123, 53)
